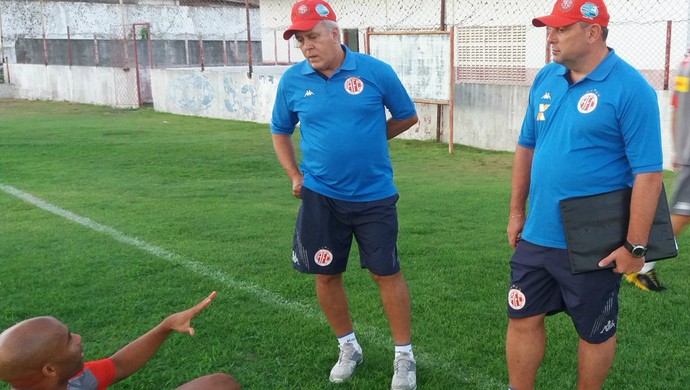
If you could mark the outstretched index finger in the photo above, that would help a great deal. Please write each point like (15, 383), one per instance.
(202, 305)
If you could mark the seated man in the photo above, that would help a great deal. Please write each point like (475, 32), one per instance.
(42, 354)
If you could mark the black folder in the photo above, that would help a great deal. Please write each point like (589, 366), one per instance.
(596, 225)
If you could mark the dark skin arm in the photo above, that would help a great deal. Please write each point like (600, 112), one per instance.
(134, 355)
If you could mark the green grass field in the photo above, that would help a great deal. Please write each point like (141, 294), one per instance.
(137, 214)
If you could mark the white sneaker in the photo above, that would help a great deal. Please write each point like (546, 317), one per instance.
(404, 373)
(347, 361)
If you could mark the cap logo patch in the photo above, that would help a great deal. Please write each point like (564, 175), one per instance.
(322, 10)
(323, 257)
(303, 9)
(354, 86)
(566, 4)
(516, 299)
(588, 102)
(589, 10)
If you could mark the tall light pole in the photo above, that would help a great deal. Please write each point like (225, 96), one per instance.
(249, 38)
(2, 46)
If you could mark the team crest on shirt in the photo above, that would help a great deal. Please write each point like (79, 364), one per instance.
(588, 102)
(323, 257)
(516, 299)
(354, 85)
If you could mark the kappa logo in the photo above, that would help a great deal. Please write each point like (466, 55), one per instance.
(542, 109)
(516, 299)
(547, 96)
(588, 103)
(323, 257)
(610, 325)
(309, 93)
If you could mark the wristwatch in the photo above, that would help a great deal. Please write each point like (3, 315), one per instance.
(635, 249)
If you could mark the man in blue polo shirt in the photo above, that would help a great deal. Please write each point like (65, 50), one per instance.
(592, 126)
(345, 179)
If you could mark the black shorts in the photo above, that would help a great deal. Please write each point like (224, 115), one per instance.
(324, 231)
(542, 283)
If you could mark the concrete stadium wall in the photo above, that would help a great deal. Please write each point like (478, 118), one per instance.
(7, 91)
(485, 116)
(214, 93)
(228, 93)
(80, 84)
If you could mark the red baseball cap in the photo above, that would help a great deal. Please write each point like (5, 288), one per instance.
(306, 14)
(567, 12)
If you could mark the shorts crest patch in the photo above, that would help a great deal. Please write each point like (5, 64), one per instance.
(323, 257)
(516, 299)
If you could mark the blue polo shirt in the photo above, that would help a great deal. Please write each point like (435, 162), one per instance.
(343, 125)
(588, 138)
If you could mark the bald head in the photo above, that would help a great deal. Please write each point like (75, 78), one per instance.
(39, 350)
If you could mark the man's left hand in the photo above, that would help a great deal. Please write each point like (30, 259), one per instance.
(626, 263)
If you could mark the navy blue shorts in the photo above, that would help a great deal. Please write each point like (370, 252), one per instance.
(324, 231)
(542, 283)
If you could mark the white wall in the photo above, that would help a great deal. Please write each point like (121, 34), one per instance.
(485, 116)
(214, 93)
(7, 91)
(80, 84)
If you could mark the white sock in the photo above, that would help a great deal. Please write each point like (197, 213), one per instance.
(647, 267)
(404, 348)
(350, 338)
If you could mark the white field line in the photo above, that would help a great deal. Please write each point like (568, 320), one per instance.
(368, 333)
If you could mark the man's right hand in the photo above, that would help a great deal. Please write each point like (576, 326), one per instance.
(515, 225)
(297, 186)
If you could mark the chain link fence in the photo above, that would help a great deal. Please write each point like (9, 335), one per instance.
(494, 43)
